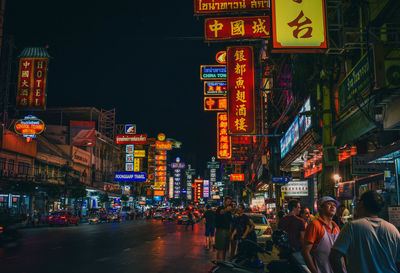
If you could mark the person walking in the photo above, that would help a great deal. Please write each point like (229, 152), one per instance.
(223, 224)
(369, 243)
(209, 220)
(293, 225)
(320, 236)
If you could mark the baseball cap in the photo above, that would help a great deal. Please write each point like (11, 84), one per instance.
(324, 199)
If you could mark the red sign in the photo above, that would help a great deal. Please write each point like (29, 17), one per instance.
(224, 147)
(131, 139)
(215, 104)
(237, 177)
(198, 191)
(224, 6)
(161, 157)
(32, 78)
(240, 73)
(229, 28)
(161, 168)
(241, 140)
(158, 193)
(220, 57)
(163, 145)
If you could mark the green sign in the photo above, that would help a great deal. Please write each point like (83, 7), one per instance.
(357, 81)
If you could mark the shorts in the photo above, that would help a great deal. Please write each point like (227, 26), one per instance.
(222, 239)
(210, 230)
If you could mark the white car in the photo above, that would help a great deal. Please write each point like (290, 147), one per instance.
(262, 227)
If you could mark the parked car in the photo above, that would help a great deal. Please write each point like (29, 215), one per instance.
(63, 218)
(182, 218)
(158, 214)
(262, 228)
(93, 219)
(167, 216)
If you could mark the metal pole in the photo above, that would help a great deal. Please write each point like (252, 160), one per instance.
(397, 167)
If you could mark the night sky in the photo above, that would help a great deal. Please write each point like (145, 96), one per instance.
(141, 57)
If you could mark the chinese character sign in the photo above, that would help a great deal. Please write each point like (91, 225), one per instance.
(222, 6)
(299, 25)
(224, 147)
(241, 110)
(215, 104)
(32, 78)
(226, 28)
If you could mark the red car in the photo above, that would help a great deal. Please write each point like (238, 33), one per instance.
(63, 218)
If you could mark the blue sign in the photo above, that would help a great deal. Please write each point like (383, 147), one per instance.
(130, 129)
(282, 180)
(157, 198)
(212, 72)
(130, 176)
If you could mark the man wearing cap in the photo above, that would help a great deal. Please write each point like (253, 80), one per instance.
(320, 236)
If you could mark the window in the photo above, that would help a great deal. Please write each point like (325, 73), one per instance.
(36, 169)
(23, 168)
(2, 163)
(10, 165)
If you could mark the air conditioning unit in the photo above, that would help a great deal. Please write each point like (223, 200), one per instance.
(392, 73)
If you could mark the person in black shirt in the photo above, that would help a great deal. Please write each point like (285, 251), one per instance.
(223, 224)
(209, 218)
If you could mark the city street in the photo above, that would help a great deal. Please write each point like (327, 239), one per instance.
(135, 246)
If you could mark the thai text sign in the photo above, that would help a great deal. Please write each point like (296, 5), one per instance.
(357, 81)
(163, 145)
(217, 88)
(139, 153)
(299, 25)
(237, 177)
(131, 139)
(30, 126)
(223, 6)
(32, 77)
(130, 176)
(215, 104)
(213, 72)
(228, 28)
(224, 147)
(241, 110)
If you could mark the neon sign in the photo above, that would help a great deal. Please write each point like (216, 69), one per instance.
(215, 104)
(217, 88)
(213, 72)
(29, 127)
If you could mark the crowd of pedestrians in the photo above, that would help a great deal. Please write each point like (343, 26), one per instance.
(330, 243)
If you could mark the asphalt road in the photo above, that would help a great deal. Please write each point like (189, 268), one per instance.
(135, 246)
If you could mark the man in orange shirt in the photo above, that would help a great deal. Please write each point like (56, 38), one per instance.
(320, 236)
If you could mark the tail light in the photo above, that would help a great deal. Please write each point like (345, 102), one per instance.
(50, 217)
(62, 217)
(268, 231)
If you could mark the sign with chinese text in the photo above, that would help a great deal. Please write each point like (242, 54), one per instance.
(213, 72)
(163, 145)
(299, 25)
(130, 129)
(178, 165)
(217, 88)
(224, 147)
(29, 127)
(131, 139)
(241, 110)
(206, 189)
(32, 78)
(198, 189)
(130, 177)
(136, 165)
(139, 153)
(226, 6)
(237, 177)
(129, 158)
(215, 103)
(158, 193)
(129, 148)
(129, 167)
(237, 28)
(295, 188)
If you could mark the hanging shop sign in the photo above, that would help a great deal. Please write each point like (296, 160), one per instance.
(129, 167)
(130, 129)
(139, 153)
(299, 26)
(130, 148)
(131, 139)
(202, 7)
(136, 164)
(80, 156)
(295, 188)
(280, 180)
(215, 88)
(215, 103)
(237, 28)
(296, 130)
(198, 189)
(213, 72)
(241, 110)
(32, 79)
(130, 176)
(29, 127)
(178, 165)
(171, 187)
(206, 189)
(357, 82)
(129, 158)
(237, 177)
(163, 145)
(220, 57)
(158, 193)
(224, 146)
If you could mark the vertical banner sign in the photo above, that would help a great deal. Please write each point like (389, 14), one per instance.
(240, 76)
(224, 147)
(299, 25)
(32, 78)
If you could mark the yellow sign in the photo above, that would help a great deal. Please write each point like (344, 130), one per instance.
(161, 137)
(136, 165)
(139, 153)
(159, 185)
(299, 25)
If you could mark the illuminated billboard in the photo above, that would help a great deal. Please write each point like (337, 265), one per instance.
(202, 7)
(29, 127)
(163, 145)
(131, 139)
(215, 103)
(82, 133)
(237, 28)
(241, 109)
(224, 147)
(296, 130)
(237, 177)
(215, 88)
(139, 153)
(213, 72)
(299, 26)
(31, 87)
(130, 177)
